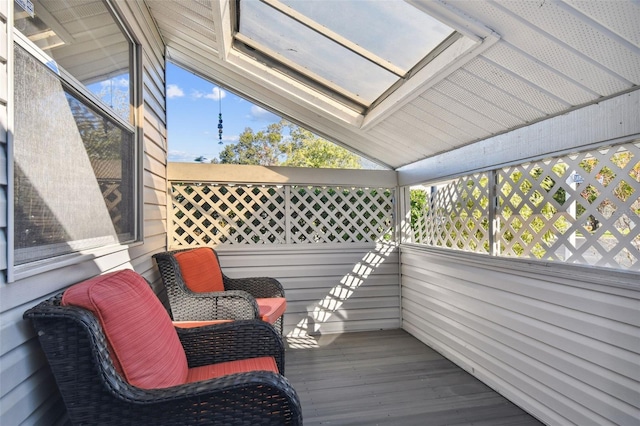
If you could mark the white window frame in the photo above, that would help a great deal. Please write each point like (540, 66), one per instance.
(18, 272)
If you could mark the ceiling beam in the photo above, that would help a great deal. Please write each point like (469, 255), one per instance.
(613, 120)
(222, 25)
(453, 58)
(477, 38)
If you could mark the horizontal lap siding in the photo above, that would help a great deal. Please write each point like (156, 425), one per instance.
(329, 290)
(28, 394)
(4, 135)
(566, 350)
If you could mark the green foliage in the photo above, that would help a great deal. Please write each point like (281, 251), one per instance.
(285, 144)
(263, 148)
(418, 201)
(317, 153)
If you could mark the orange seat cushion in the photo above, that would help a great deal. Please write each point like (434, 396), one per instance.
(142, 341)
(200, 270)
(194, 324)
(212, 371)
(271, 308)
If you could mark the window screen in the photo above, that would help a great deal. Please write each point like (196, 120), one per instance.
(74, 152)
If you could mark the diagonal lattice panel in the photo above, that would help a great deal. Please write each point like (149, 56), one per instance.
(531, 218)
(258, 212)
(212, 214)
(580, 208)
(321, 214)
(457, 215)
(112, 199)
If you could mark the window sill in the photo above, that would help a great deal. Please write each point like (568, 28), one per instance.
(95, 255)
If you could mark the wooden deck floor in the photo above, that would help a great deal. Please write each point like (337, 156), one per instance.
(390, 378)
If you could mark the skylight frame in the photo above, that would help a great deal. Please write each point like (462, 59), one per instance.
(337, 38)
(278, 62)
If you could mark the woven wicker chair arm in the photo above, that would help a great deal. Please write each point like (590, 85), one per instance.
(258, 287)
(203, 388)
(233, 305)
(256, 396)
(232, 341)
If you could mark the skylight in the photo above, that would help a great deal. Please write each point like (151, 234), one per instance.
(356, 50)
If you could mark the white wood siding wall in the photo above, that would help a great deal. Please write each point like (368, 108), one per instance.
(330, 288)
(562, 343)
(28, 393)
(4, 96)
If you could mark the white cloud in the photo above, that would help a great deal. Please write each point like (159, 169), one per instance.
(180, 156)
(260, 114)
(121, 82)
(230, 138)
(225, 138)
(173, 91)
(216, 94)
(209, 151)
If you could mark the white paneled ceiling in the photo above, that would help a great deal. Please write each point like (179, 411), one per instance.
(518, 62)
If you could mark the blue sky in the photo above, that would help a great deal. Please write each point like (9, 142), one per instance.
(192, 109)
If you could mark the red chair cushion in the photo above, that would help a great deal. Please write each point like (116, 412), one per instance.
(271, 308)
(195, 324)
(140, 335)
(200, 270)
(212, 371)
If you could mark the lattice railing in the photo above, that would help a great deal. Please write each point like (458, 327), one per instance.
(113, 200)
(213, 214)
(457, 216)
(340, 214)
(582, 208)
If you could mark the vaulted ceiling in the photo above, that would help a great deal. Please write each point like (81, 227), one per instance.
(514, 63)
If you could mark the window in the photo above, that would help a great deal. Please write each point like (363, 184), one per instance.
(74, 145)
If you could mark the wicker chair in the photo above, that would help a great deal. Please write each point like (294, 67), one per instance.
(96, 393)
(241, 298)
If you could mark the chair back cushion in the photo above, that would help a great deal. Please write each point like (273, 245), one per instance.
(200, 270)
(141, 338)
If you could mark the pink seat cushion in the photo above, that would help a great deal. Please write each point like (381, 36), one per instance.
(271, 308)
(200, 270)
(212, 371)
(141, 338)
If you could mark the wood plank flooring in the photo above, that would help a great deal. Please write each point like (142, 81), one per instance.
(390, 378)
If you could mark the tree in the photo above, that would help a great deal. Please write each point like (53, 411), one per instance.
(418, 203)
(285, 144)
(262, 148)
(308, 150)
